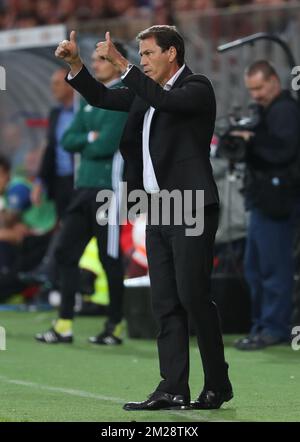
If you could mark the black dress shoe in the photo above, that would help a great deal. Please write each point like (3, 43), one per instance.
(211, 400)
(159, 401)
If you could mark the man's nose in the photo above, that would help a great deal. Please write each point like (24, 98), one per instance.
(143, 61)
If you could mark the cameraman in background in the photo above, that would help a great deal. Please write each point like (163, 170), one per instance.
(272, 152)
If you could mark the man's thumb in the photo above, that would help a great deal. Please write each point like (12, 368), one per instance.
(107, 36)
(73, 37)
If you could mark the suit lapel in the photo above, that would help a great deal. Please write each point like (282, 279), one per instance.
(140, 106)
(185, 73)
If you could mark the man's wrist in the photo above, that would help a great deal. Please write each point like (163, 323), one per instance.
(121, 63)
(75, 66)
(125, 71)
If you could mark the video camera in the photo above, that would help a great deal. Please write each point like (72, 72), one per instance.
(233, 147)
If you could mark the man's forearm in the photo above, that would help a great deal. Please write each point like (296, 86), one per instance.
(122, 64)
(76, 66)
(96, 94)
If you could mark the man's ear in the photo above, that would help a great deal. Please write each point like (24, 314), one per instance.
(172, 53)
(274, 79)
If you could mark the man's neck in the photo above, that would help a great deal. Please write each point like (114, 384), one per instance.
(172, 72)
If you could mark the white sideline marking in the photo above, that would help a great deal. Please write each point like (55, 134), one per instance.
(193, 416)
(70, 391)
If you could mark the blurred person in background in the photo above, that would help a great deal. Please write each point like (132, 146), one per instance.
(32, 161)
(56, 171)
(11, 140)
(203, 5)
(8, 238)
(98, 8)
(24, 229)
(273, 149)
(26, 20)
(124, 8)
(21, 6)
(55, 175)
(269, 2)
(23, 12)
(45, 12)
(5, 17)
(182, 5)
(66, 10)
(163, 12)
(94, 134)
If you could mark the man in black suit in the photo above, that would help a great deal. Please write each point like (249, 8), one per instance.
(56, 171)
(165, 145)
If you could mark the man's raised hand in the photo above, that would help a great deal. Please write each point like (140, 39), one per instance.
(107, 50)
(68, 51)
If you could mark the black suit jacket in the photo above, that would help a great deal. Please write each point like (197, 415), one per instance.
(47, 169)
(181, 128)
(47, 172)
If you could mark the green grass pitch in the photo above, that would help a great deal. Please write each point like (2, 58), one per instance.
(82, 382)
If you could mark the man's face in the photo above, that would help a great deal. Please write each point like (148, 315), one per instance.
(4, 179)
(61, 90)
(156, 64)
(262, 90)
(104, 71)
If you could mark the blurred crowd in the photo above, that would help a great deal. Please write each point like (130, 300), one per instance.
(30, 13)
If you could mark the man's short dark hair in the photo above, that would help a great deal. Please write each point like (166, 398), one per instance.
(4, 163)
(165, 36)
(263, 66)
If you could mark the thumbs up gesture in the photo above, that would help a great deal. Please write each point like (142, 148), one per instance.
(106, 49)
(107, 37)
(68, 51)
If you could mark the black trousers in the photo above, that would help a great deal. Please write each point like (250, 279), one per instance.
(78, 227)
(63, 190)
(180, 268)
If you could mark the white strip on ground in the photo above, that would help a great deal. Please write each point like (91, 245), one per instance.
(185, 414)
(78, 393)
